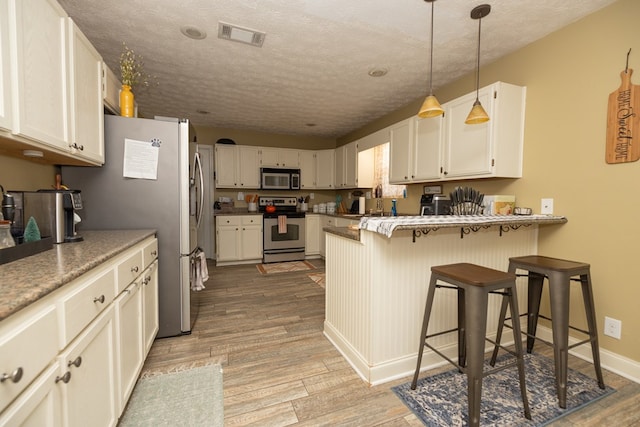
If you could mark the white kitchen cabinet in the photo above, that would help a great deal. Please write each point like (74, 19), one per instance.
(490, 149)
(40, 405)
(39, 77)
(312, 237)
(238, 238)
(88, 367)
(86, 103)
(279, 157)
(226, 166)
(308, 169)
(237, 166)
(129, 339)
(150, 306)
(347, 166)
(71, 355)
(401, 139)
(325, 177)
(28, 343)
(5, 80)
(415, 151)
(110, 90)
(248, 167)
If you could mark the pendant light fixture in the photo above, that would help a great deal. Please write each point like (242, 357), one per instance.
(430, 107)
(478, 114)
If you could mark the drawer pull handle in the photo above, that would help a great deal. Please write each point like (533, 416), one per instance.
(134, 269)
(75, 363)
(15, 376)
(154, 253)
(65, 378)
(99, 299)
(147, 280)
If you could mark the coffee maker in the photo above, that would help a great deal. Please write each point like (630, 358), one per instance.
(53, 210)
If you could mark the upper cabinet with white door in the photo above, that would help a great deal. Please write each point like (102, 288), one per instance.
(415, 150)
(347, 166)
(39, 71)
(237, 166)
(5, 81)
(279, 158)
(491, 149)
(53, 102)
(85, 76)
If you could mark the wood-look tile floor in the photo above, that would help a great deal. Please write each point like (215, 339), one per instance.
(279, 369)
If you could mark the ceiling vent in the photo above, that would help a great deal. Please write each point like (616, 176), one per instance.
(239, 34)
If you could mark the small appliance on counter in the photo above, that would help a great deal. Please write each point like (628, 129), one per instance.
(435, 204)
(53, 210)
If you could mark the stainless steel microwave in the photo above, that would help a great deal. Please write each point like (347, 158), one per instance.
(279, 179)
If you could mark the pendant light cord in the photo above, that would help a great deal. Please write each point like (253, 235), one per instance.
(478, 64)
(431, 54)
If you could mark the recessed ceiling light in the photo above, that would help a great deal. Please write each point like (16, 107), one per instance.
(193, 32)
(311, 125)
(202, 111)
(378, 72)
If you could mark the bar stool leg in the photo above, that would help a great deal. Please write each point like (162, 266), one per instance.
(534, 295)
(503, 315)
(589, 306)
(462, 348)
(513, 303)
(559, 296)
(476, 312)
(425, 325)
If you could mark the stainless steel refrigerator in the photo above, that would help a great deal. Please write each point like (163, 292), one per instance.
(170, 202)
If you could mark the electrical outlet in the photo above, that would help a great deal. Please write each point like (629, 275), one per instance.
(546, 207)
(612, 327)
(312, 196)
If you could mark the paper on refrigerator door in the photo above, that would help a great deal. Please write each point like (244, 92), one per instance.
(140, 159)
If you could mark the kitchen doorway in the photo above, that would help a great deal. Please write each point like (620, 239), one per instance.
(206, 231)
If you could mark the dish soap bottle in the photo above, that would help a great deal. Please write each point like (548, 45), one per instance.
(394, 212)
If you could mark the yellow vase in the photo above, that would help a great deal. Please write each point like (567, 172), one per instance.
(126, 102)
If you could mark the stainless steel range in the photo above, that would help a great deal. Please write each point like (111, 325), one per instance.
(284, 229)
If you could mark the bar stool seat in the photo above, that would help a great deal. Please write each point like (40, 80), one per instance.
(473, 283)
(559, 273)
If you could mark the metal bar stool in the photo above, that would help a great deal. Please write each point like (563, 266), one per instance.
(559, 273)
(474, 284)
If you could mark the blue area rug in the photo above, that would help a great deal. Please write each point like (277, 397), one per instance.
(441, 400)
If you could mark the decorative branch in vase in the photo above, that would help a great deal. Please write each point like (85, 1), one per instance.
(132, 75)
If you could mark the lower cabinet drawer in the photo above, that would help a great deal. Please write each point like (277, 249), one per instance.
(28, 343)
(79, 307)
(128, 270)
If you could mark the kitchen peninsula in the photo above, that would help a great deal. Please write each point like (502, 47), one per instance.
(377, 279)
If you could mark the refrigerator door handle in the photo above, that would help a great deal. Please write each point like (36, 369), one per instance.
(197, 165)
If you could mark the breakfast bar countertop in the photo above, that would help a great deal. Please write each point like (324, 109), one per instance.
(24, 281)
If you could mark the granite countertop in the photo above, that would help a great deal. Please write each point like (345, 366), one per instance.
(24, 281)
(387, 225)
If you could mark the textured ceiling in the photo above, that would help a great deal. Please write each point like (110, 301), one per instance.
(314, 63)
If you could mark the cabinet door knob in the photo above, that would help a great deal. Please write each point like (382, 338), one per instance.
(14, 376)
(77, 362)
(134, 269)
(154, 253)
(65, 378)
(99, 299)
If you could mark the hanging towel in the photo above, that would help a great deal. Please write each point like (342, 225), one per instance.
(282, 224)
(199, 271)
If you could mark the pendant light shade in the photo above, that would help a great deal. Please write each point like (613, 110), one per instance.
(478, 114)
(431, 107)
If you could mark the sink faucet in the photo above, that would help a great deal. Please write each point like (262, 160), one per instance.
(379, 207)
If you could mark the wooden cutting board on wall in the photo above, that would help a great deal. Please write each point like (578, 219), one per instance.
(623, 122)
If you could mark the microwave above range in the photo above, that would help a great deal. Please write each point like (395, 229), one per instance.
(279, 179)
